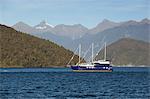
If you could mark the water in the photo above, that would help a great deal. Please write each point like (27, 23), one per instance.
(62, 83)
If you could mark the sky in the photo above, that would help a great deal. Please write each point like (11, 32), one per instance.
(86, 12)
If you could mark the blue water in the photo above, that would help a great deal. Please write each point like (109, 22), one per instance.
(62, 83)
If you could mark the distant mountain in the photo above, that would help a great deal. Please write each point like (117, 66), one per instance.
(132, 22)
(146, 20)
(75, 31)
(61, 40)
(23, 27)
(72, 31)
(42, 30)
(70, 36)
(136, 30)
(105, 24)
(127, 51)
(23, 50)
(43, 27)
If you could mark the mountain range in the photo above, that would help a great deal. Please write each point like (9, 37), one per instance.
(71, 31)
(132, 29)
(70, 36)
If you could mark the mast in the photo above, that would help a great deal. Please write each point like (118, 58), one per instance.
(92, 51)
(79, 52)
(105, 52)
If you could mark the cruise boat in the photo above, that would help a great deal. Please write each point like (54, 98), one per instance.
(93, 66)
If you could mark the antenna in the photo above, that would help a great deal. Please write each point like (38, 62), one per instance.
(79, 52)
(105, 52)
(92, 51)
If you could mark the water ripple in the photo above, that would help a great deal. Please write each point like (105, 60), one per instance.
(70, 85)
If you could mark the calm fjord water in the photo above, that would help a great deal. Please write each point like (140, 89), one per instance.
(62, 83)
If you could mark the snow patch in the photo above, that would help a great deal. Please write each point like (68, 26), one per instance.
(39, 27)
(49, 24)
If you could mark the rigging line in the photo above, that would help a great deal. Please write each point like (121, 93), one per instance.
(72, 56)
(90, 57)
(98, 51)
(86, 53)
(101, 43)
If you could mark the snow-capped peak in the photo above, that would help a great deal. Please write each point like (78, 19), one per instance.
(43, 25)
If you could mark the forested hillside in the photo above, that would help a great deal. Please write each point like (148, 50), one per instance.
(127, 51)
(22, 50)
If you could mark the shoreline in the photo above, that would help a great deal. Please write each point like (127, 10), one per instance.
(33, 67)
(1, 67)
(132, 66)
